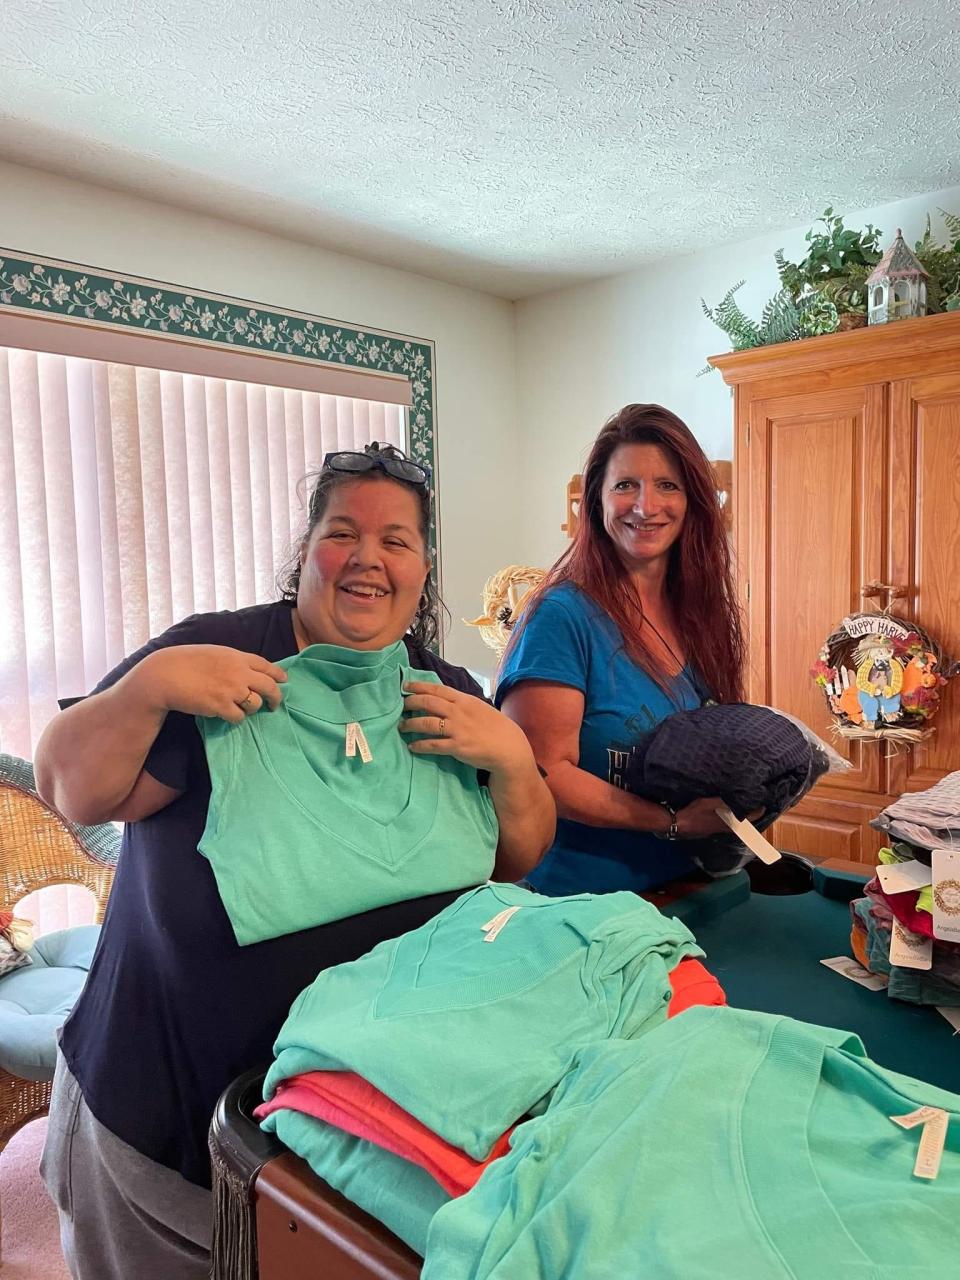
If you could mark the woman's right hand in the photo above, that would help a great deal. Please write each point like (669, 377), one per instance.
(208, 680)
(700, 818)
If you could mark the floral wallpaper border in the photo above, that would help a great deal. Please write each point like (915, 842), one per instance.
(66, 290)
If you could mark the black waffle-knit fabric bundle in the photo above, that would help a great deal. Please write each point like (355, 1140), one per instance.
(750, 756)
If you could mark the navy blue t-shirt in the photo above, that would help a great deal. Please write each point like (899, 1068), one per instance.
(173, 1009)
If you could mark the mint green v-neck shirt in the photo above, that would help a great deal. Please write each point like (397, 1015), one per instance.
(299, 833)
(469, 1029)
(724, 1145)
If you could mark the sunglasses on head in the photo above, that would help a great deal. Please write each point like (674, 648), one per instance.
(387, 459)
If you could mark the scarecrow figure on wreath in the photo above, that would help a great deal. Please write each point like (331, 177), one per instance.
(879, 680)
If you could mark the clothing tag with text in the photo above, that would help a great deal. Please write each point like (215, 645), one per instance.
(356, 740)
(946, 894)
(935, 1121)
(749, 834)
(910, 950)
(848, 968)
(901, 877)
(493, 927)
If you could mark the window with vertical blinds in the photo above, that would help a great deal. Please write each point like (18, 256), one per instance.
(132, 497)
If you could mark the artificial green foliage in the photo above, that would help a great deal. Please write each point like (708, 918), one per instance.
(837, 262)
(942, 264)
(831, 254)
(953, 227)
(735, 323)
(818, 315)
(781, 320)
(830, 282)
(784, 319)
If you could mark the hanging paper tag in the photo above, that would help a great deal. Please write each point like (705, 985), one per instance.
(909, 950)
(946, 894)
(848, 968)
(493, 927)
(951, 1015)
(749, 834)
(935, 1121)
(902, 877)
(356, 740)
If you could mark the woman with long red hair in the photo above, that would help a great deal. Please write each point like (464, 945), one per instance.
(637, 619)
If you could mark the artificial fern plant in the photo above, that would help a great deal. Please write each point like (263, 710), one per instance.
(829, 282)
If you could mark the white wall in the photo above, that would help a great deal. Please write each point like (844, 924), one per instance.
(522, 388)
(584, 352)
(49, 216)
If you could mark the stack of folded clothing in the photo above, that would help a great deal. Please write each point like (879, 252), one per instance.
(925, 820)
(753, 757)
(400, 1077)
(876, 916)
(528, 1109)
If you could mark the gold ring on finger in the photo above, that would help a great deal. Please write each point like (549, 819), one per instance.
(442, 731)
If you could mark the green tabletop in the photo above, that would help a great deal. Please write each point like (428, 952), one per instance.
(766, 953)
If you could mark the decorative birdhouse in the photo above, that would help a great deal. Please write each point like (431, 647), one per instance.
(897, 286)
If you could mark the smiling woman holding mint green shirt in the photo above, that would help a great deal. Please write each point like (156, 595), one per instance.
(300, 781)
(636, 620)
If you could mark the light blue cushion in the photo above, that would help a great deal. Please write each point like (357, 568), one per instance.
(35, 1001)
(67, 948)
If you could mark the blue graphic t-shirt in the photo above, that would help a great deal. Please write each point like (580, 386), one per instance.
(571, 640)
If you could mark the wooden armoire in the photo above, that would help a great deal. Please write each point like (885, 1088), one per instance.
(847, 475)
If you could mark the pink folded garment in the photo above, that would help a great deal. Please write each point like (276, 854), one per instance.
(350, 1103)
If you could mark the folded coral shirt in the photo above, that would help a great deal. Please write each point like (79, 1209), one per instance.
(691, 984)
(352, 1104)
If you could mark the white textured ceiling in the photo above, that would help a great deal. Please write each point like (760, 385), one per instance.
(510, 145)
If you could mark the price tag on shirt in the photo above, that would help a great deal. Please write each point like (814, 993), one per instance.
(748, 833)
(946, 894)
(902, 877)
(935, 1122)
(848, 968)
(910, 950)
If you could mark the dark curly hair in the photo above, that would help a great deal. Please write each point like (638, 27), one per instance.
(427, 625)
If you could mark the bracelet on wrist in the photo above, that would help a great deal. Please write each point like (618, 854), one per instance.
(673, 831)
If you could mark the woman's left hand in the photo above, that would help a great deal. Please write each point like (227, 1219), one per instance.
(458, 724)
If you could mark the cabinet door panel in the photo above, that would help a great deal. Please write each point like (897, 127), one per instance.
(925, 549)
(814, 538)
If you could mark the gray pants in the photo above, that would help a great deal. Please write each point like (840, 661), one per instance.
(122, 1216)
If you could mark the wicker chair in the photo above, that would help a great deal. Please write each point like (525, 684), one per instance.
(39, 848)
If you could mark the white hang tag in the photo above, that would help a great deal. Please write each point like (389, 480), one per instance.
(848, 968)
(909, 950)
(946, 894)
(749, 834)
(356, 740)
(951, 1015)
(902, 877)
(494, 921)
(493, 927)
(935, 1122)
